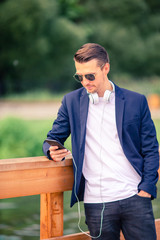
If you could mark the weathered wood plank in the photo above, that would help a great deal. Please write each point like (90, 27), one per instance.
(31, 163)
(76, 236)
(15, 182)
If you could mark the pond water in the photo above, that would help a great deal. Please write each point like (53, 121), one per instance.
(20, 218)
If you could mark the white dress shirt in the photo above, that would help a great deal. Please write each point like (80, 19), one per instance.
(109, 176)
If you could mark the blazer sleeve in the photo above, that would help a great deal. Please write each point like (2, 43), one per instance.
(149, 151)
(61, 128)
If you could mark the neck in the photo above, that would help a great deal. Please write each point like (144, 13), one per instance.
(108, 86)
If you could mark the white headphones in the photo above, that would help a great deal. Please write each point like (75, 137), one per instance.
(94, 98)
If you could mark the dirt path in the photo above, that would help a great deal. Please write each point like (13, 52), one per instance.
(27, 110)
(39, 110)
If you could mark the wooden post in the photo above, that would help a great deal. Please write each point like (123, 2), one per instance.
(51, 216)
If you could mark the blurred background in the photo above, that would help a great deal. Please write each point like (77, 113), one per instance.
(37, 42)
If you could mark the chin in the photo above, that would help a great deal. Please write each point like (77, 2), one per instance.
(90, 90)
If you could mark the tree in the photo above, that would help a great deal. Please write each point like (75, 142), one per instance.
(35, 46)
(39, 38)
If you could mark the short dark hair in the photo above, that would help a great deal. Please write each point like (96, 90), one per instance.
(91, 51)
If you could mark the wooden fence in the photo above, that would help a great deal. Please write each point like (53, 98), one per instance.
(31, 176)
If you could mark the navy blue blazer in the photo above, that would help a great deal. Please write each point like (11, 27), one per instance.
(136, 132)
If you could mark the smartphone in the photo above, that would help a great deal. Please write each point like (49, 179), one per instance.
(55, 143)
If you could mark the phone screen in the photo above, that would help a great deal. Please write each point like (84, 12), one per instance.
(55, 143)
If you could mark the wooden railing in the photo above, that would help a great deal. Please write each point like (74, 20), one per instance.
(37, 175)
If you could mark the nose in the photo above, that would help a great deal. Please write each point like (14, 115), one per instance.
(85, 80)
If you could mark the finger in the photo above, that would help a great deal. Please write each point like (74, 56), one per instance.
(53, 148)
(58, 152)
(58, 156)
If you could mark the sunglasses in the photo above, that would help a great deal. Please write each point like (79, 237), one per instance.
(89, 76)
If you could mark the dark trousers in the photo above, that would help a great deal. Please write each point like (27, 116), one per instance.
(134, 216)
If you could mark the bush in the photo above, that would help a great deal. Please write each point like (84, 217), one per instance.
(18, 140)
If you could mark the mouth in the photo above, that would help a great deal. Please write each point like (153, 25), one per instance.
(89, 87)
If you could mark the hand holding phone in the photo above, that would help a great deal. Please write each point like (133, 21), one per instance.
(57, 150)
(52, 142)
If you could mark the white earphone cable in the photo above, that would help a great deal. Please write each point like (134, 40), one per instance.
(79, 210)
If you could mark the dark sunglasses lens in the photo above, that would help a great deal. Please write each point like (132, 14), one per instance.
(90, 77)
(78, 78)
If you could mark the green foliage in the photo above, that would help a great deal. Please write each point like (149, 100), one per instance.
(72, 9)
(24, 138)
(157, 125)
(36, 45)
(39, 38)
(125, 11)
(17, 139)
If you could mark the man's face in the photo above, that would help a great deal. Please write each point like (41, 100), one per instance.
(100, 83)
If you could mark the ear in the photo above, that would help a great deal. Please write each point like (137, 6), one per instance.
(106, 68)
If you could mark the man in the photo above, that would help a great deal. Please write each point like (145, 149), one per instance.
(114, 148)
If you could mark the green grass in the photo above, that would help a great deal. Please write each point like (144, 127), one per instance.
(34, 96)
(157, 125)
(144, 86)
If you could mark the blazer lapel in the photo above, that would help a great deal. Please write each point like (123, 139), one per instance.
(119, 105)
(84, 103)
